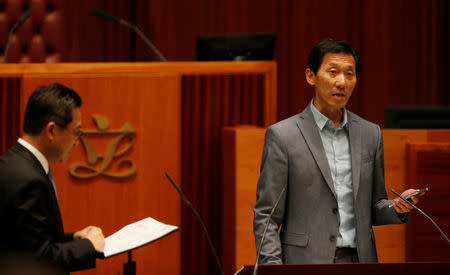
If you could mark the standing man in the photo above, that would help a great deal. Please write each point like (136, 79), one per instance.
(331, 163)
(30, 220)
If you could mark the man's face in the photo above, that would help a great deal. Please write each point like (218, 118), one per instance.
(334, 81)
(66, 138)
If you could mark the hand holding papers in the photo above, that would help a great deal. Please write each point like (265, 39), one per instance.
(135, 235)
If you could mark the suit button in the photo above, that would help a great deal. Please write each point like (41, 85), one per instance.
(335, 210)
(332, 238)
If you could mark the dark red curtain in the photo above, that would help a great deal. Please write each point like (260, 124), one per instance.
(210, 103)
(92, 38)
(9, 112)
(403, 44)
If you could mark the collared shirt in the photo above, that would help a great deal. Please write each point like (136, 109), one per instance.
(42, 160)
(337, 148)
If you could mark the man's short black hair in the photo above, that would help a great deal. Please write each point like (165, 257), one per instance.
(53, 102)
(317, 53)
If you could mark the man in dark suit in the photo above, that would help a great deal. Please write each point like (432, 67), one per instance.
(331, 163)
(30, 220)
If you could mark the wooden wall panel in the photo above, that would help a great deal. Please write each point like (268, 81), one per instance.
(428, 166)
(343, 269)
(242, 147)
(151, 104)
(390, 238)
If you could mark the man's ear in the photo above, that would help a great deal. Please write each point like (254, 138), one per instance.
(50, 129)
(310, 77)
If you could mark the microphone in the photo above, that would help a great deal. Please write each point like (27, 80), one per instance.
(423, 214)
(120, 21)
(255, 269)
(189, 205)
(18, 23)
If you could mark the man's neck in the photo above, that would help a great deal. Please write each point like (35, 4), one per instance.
(36, 143)
(31, 145)
(334, 115)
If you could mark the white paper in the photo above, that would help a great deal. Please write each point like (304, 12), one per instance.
(135, 235)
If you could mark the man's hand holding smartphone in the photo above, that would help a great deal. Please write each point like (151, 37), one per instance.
(411, 195)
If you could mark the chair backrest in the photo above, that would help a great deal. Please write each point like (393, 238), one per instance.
(42, 38)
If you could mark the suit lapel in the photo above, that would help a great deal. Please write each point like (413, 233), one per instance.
(354, 133)
(310, 132)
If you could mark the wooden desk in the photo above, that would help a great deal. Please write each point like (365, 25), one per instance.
(345, 269)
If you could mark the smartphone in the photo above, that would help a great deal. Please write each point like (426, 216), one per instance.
(415, 193)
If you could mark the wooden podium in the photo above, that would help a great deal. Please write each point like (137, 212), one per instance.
(346, 269)
(132, 117)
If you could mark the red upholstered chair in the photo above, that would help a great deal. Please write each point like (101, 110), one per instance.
(42, 38)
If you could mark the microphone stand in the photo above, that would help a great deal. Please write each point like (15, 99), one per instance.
(189, 205)
(255, 269)
(18, 23)
(144, 38)
(129, 268)
(120, 21)
(423, 214)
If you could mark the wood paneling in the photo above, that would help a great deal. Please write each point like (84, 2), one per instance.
(390, 239)
(392, 244)
(428, 166)
(344, 269)
(242, 147)
(185, 68)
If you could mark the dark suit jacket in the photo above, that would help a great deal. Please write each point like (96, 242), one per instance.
(294, 156)
(30, 220)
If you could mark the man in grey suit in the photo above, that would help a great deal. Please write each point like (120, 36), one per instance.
(331, 163)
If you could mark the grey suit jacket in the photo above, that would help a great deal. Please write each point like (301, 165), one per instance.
(294, 156)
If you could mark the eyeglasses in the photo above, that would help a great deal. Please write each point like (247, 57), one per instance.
(77, 133)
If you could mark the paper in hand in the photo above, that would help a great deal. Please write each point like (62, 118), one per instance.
(135, 235)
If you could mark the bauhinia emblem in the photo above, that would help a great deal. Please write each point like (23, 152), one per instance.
(99, 164)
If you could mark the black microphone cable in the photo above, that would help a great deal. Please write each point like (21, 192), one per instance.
(189, 205)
